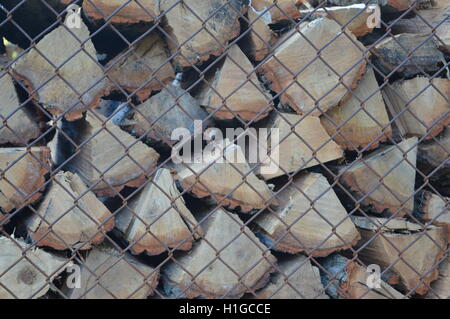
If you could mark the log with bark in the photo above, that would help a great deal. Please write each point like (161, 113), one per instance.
(406, 101)
(362, 121)
(347, 279)
(302, 143)
(435, 209)
(141, 69)
(440, 289)
(407, 55)
(24, 175)
(171, 109)
(235, 91)
(431, 21)
(69, 79)
(109, 274)
(70, 217)
(261, 37)
(26, 273)
(156, 219)
(297, 278)
(108, 158)
(410, 250)
(228, 262)
(238, 185)
(190, 38)
(21, 125)
(385, 179)
(353, 17)
(305, 83)
(121, 11)
(310, 219)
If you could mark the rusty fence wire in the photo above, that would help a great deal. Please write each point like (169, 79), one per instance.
(117, 181)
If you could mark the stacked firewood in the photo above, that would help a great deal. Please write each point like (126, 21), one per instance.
(357, 93)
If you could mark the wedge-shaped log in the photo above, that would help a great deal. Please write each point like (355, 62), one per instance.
(353, 17)
(235, 90)
(310, 219)
(406, 99)
(238, 185)
(72, 81)
(279, 10)
(171, 109)
(385, 178)
(111, 159)
(295, 70)
(411, 250)
(122, 11)
(157, 219)
(407, 55)
(364, 114)
(70, 217)
(303, 281)
(432, 21)
(26, 273)
(440, 289)
(24, 174)
(21, 124)
(199, 30)
(238, 249)
(142, 69)
(299, 137)
(109, 274)
(261, 38)
(436, 209)
(348, 279)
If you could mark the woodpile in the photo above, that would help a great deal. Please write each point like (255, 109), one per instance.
(126, 149)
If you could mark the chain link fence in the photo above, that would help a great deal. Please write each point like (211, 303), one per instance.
(224, 149)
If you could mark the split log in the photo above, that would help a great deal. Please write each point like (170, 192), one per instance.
(79, 82)
(315, 80)
(385, 179)
(109, 274)
(24, 174)
(389, 5)
(297, 279)
(142, 69)
(410, 250)
(436, 209)
(70, 217)
(407, 100)
(157, 219)
(111, 158)
(166, 111)
(353, 17)
(235, 90)
(210, 38)
(238, 249)
(21, 125)
(432, 21)
(412, 53)
(303, 143)
(261, 38)
(26, 274)
(279, 10)
(121, 11)
(434, 161)
(238, 185)
(364, 114)
(440, 289)
(347, 279)
(310, 219)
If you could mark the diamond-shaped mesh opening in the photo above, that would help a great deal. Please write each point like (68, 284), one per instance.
(224, 149)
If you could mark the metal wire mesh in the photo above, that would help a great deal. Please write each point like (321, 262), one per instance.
(93, 207)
